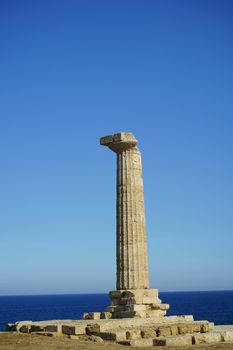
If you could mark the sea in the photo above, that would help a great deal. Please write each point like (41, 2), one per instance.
(214, 306)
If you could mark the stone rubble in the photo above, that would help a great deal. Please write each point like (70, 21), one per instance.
(180, 331)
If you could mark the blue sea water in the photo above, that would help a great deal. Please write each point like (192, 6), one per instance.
(213, 306)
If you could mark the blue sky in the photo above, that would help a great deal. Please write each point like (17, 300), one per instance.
(73, 71)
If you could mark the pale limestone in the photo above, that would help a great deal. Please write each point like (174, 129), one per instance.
(74, 337)
(53, 328)
(227, 336)
(133, 334)
(179, 340)
(96, 339)
(161, 331)
(148, 332)
(92, 315)
(114, 335)
(23, 326)
(105, 315)
(207, 338)
(164, 331)
(146, 342)
(36, 328)
(132, 261)
(77, 329)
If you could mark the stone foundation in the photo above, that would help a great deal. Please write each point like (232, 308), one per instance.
(131, 303)
(143, 332)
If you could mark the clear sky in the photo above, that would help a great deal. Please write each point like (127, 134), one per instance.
(72, 71)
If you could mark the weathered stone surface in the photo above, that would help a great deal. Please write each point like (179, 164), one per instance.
(133, 334)
(180, 318)
(76, 329)
(148, 333)
(23, 326)
(138, 342)
(74, 337)
(49, 334)
(36, 328)
(95, 338)
(115, 336)
(211, 326)
(184, 329)
(53, 328)
(159, 306)
(227, 335)
(179, 340)
(136, 303)
(160, 341)
(105, 315)
(164, 331)
(174, 329)
(133, 298)
(132, 261)
(115, 294)
(207, 338)
(92, 316)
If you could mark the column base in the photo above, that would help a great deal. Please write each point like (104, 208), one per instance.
(139, 303)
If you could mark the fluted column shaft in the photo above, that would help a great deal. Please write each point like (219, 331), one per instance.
(132, 264)
(132, 261)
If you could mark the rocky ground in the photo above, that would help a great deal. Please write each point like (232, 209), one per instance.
(20, 341)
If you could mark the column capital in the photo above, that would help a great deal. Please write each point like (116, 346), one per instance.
(119, 142)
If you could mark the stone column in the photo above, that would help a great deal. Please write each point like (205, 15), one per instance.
(133, 298)
(132, 261)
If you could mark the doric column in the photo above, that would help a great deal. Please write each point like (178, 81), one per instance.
(132, 261)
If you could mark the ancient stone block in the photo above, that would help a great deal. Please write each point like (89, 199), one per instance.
(105, 315)
(77, 329)
(207, 338)
(91, 315)
(184, 329)
(124, 314)
(154, 313)
(211, 326)
(95, 338)
(164, 331)
(174, 330)
(74, 337)
(195, 328)
(180, 318)
(23, 326)
(227, 335)
(151, 292)
(148, 300)
(160, 341)
(148, 333)
(133, 334)
(53, 328)
(115, 294)
(138, 342)
(115, 336)
(204, 328)
(136, 307)
(179, 340)
(128, 301)
(156, 306)
(37, 328)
